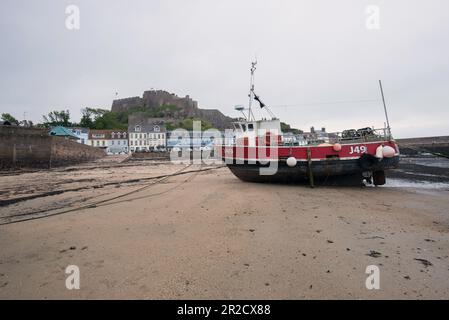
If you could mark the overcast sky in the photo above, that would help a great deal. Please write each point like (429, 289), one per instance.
(315, 58)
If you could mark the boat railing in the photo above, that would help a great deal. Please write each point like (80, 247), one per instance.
(308, 139)
(344, 137)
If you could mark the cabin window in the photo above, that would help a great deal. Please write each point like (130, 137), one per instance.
(250, 127)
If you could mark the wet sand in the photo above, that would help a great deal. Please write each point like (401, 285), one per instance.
(204, 235)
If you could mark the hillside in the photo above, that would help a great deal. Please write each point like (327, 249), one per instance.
(162, 104)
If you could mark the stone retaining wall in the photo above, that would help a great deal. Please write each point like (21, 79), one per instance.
(33, 148)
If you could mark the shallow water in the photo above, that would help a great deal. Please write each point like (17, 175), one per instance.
(402, 183)
(429, 162)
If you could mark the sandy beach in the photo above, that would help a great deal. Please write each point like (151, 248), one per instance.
(208, 235)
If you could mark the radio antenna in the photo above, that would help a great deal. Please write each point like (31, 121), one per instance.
(385, 109)
(251, 91)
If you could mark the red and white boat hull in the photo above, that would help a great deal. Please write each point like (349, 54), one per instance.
(324, 163)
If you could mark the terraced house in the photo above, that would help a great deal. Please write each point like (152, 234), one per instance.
(112, 141)
(147, 137)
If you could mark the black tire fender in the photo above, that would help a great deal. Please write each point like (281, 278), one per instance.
(368, 162)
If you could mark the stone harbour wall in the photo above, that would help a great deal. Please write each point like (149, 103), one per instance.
(22, 147)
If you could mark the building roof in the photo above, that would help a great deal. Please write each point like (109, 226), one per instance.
(60, 131)
(147, 128)
(115, 134)
(81, 129)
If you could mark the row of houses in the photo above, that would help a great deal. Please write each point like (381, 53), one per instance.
(154, 136)
(140, 137)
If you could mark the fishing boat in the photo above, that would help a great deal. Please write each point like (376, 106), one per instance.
(259, 151)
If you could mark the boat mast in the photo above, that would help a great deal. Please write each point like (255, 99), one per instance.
(385, 109)
(251, 91)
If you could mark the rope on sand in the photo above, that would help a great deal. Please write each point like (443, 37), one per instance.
(28, 216)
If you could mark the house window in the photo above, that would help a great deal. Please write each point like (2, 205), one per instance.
(137, 128)
(112, 142)
(113, 135)
(131, 143)
(156, 128)
(98, 143)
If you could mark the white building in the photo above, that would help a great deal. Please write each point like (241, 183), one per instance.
(81, 133)
(147, 137)
(113, 141)
(317, 135)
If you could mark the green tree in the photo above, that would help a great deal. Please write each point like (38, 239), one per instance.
(97, 118)
(8, 117)
(57, 118)
(111, 120)
(170, 126)
(188, 124)
(86, 118)
(286, 128)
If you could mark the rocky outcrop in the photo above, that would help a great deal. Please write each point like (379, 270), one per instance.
(139, 118)
(157, 98)
(121, 105)
(187, 107)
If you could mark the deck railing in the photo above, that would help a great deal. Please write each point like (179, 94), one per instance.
(337, 137)
(345, 137)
